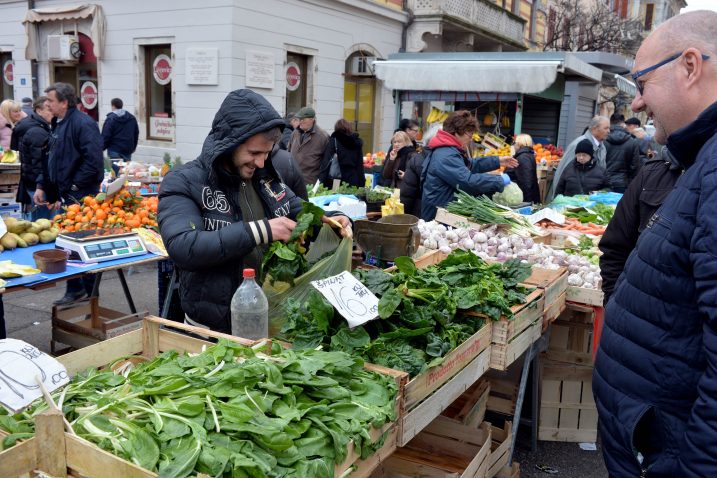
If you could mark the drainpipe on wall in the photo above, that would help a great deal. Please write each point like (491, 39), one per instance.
(404, 33)
(33, 63)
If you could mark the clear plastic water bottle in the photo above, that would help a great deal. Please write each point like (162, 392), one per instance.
(250, 309)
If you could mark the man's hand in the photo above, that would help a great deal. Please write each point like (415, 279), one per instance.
(343, 221)
(281, 228)
(400, 174)
(39, 197)
(508, 162)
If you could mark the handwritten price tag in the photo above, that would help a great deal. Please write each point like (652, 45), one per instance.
(350, 297)
(20, 363)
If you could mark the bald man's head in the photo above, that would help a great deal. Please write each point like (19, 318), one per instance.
(678, 71)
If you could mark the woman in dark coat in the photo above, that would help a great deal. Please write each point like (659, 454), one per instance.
(525, 175)
(582, 175)
(394, 167)
(349, 149)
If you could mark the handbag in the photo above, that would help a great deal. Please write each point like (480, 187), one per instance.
(334, 166)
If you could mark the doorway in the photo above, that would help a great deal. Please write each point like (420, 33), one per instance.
(82, 76)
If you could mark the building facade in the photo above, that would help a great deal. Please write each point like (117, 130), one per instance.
(173, 61)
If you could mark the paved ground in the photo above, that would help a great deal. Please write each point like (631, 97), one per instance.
(28, 313)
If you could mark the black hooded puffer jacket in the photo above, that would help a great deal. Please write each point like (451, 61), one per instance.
(622, 159)
(199, 215)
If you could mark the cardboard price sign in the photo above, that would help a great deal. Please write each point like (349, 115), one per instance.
(350, 297)
(21, 366)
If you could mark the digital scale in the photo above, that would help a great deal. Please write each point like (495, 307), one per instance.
(100, 245)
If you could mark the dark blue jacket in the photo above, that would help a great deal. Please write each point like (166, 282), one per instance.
(655, 378)
(75, 156)
(447, 170)
(120, 133)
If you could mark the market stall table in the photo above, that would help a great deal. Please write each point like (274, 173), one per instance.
(43, 280)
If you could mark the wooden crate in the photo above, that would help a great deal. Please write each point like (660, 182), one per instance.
(445, 448)
(56, 452)
(455, 220)
(501, 442)
(428, 394)
(9, 179)
(503, 394)
(502, 355)
(87, 323)
(571, 336)
(524, 315)
(509, 471)
(554, 283)
(470, 407)
(428, 259)
(580, 295)
(553, 311)
(567, 408)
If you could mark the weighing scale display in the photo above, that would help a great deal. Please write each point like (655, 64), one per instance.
(101, 245)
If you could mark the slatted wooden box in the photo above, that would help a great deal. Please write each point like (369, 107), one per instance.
(567, 407)
(571, 336)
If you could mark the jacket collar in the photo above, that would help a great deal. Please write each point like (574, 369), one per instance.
(685, 143)
(445, 139)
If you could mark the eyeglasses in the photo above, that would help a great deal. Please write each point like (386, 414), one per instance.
(641, 84)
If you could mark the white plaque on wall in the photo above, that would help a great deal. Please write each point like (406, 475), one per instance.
(161, 128)
(202, 66)
(260, 69)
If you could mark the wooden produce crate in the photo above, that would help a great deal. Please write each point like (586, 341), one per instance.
(501, 442)
(554, 284)
(509, 471)
(429, 259)
(502, 355)
(524, 315)
(470, 407)
(567, 408)
(428, 394)
(455, 220)
(87, 323)
(503, 394)
(581, 295)
(9, 179)
(445, 448)
(571, 336)
(58, 453)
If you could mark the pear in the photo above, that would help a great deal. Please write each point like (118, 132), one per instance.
(20, 241)
(30, 238)
(18, 227)
(34, 228)
(46, 236)
(44, 223)
(8, 241)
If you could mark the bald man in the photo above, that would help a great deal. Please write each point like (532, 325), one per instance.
(597, 133)
(655, 378)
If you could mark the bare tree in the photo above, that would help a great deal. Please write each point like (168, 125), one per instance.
(579, 25)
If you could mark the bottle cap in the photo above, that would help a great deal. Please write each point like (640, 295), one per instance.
(249, 273)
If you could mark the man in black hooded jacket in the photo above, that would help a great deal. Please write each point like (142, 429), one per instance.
(219, 213)
(623, 155)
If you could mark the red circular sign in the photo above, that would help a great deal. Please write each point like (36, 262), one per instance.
(293, 76)
(7, 72)
(88, 95)
(162, 69)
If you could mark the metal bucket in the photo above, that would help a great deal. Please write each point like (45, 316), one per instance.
(389, 237)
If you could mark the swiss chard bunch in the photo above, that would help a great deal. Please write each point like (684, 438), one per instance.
(284, 261)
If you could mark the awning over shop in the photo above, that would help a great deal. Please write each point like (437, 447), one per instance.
(626, 86)
(453, 96)
(67, 13)
(495, 76)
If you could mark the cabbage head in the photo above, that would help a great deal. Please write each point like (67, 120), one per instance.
(511, 195)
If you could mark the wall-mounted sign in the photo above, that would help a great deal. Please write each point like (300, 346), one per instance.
(161, 128)
(88, 95)
(202, 66)
(162, 69)
(293, 76)
(7, 72)
(260, 69)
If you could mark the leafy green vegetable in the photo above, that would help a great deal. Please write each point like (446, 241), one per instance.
(239, 412)
(598, 214)
(421, 311)
(284, 262)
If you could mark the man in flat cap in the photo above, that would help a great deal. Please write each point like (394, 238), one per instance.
(307, 144)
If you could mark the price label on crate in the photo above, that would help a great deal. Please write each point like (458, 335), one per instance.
(21, 366)
(350, 297)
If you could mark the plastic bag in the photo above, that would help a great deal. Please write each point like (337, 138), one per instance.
(321, 266)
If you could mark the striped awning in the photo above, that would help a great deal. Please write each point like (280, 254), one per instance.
(625, 85)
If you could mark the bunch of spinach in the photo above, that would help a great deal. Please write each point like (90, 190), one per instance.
(284, 261)
(227, 412)
(419, 309)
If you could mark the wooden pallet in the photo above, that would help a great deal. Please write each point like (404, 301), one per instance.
(470, 407)
(502, 355)
(445, 448)
(500, 448)
(571, 336)
(55, 452)
(567, 408)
